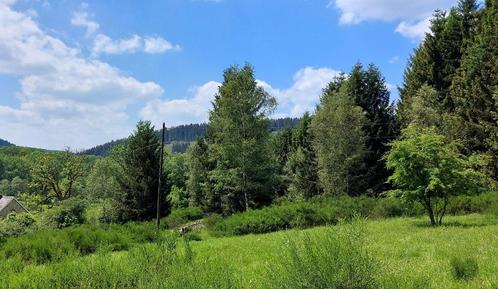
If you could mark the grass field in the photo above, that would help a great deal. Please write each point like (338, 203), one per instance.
(395, 253)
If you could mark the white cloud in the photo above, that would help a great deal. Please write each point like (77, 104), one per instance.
(414, 30)
(182, 111)
(158, 45)
(103, 44)
(65, 99)
(152, 45)
(303, 95)
(413, 14)
(81, 19)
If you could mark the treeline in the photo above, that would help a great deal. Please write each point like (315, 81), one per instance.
(180, 136)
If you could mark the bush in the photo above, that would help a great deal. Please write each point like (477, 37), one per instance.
(15, 225)
(302, 214)
(464, 268)
(67, 213)
(181, 216)
(39, 247)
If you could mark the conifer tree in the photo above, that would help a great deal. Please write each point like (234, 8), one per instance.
(140, 165)
(368, 90)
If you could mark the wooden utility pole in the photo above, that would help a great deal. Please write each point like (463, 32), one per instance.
(159, 182)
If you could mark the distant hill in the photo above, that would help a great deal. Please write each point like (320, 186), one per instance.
(180, 137)
(4, 143)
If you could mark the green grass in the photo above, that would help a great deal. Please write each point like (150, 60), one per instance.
(401, 253)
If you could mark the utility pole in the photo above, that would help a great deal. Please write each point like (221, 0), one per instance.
(159, 182)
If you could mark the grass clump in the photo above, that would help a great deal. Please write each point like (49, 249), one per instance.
(464, 268)
(336, 258)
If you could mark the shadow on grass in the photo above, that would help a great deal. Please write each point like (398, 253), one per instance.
(450, 224)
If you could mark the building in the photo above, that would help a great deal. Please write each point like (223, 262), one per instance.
(9, 204)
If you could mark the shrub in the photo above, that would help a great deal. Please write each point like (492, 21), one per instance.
(321, 211)
(39, 247)
(67, 213)
(181, 216)
(464, 268)
(15, 225)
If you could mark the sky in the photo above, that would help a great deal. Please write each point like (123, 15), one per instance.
(81, 73)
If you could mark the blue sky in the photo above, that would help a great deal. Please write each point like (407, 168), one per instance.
(78, 74)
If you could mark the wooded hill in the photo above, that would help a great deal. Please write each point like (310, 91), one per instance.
(4, 143)
(180, 137)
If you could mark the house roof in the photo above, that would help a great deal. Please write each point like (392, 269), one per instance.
(6, 200)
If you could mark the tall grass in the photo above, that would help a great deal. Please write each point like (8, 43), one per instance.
(337, 258)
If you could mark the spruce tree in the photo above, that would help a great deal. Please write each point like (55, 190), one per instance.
(475, 87)
(368, 90)
(301, 166)
(139, 180)
(238, 133)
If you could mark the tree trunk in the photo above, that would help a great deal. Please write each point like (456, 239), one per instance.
(428, 207)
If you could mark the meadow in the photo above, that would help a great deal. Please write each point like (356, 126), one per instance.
(386, 253)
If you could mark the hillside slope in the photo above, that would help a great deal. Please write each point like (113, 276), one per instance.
(181, 136)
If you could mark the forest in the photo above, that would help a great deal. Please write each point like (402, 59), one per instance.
(362, 192)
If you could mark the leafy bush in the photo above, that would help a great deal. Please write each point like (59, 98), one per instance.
(464, 268)
(67, 213)
(307, 214)
(15, 225)
(181, 216)
(336, 259)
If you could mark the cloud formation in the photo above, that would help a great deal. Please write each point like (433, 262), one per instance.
(63, 96)
(153, 45)
(303, 95)
(81, 19)
(414, 15)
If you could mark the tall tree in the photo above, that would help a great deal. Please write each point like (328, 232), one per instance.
(140, 165)
(239, 141)
(436, 61)
(302, 166)
(58, 173)
(339, 143)
(198, 167)
(475, 86)
(369, 91)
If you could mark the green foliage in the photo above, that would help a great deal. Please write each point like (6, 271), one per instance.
(464, 268)
(65, 214)
(307, 214)
(178, 197)
(337, 258)
(101, 182)
(58, 173)
(38, 248)
(429, 170)
(139, 161)
(301, 165)
(15, 225)
(368, 90)
(339, 143)
(238, 135)
(181, 216)
(198, 167)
